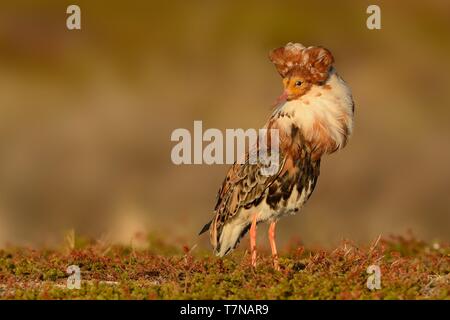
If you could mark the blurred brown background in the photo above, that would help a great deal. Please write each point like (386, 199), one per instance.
(86, 116)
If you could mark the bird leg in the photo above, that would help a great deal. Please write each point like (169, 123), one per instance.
(253, 240)
(273, 245)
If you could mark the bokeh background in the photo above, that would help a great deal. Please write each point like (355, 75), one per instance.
(86, 116)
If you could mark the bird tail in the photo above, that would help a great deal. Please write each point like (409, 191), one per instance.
(229, 237)
(205, 228)
(225, 238)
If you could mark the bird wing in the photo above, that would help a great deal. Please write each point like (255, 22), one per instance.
(243, 187)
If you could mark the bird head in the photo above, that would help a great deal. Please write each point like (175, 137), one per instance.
(301, 68)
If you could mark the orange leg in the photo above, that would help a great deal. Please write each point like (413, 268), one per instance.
(273, 245)
(253, 240)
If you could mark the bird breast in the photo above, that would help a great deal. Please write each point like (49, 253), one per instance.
(323, 116)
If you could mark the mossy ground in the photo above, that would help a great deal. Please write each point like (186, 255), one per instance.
(410, 269)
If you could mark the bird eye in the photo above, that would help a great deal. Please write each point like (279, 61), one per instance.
(298, 83)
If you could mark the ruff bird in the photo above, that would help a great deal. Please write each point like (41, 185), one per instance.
(314, 117)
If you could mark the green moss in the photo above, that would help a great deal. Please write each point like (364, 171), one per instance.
(410, 269)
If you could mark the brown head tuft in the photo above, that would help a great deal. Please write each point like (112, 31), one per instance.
(312, 63)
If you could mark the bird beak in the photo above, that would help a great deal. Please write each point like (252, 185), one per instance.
(283, 98)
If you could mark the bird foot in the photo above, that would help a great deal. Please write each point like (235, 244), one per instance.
(276, 264)
(254, 259)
